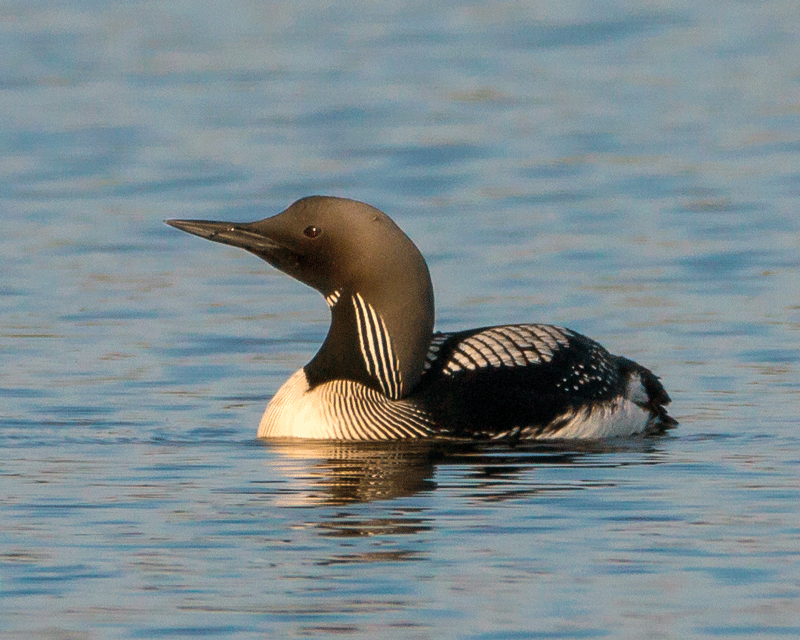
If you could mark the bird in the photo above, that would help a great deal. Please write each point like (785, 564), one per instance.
(383, 373)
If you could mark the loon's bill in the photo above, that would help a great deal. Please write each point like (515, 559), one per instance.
(383, 374)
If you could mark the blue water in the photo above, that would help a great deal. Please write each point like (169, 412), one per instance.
(629, 170)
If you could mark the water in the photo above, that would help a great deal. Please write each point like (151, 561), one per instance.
(629, 170)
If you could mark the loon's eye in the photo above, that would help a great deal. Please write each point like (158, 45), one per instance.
(311, 232)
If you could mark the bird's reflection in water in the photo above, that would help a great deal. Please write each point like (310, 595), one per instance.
(340, 473)
(343, 478)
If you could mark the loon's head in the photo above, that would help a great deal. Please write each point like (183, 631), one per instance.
(372, 275)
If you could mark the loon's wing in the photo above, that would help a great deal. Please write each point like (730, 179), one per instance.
(536, 380)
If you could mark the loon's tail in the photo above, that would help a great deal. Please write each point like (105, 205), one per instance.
(646, 390)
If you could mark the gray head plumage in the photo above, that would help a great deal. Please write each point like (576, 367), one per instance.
(364, 264)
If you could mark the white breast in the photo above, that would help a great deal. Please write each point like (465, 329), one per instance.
(294, 412)
(339, 410)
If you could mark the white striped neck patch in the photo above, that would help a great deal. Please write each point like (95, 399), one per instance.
(375, 345)
(332, 298)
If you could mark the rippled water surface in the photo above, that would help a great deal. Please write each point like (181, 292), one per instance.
(629, 170)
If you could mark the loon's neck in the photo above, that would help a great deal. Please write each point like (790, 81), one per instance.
(378, 338)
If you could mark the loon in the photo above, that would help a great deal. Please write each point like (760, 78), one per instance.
(383, 374)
